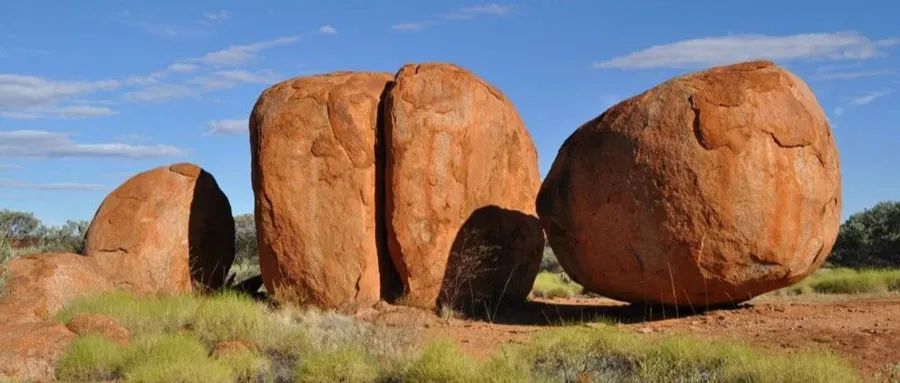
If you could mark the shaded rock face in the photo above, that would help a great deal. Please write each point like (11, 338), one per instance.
(454, 145)
(708, 189)
(316, 163)
(166, 230)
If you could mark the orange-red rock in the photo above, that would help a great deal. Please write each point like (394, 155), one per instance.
(164, 231)
(29, 351)
(710, 188)
(316, 160)
(39, 285)
(461, 178)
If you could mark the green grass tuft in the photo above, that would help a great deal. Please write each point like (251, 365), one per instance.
(91, 358)
(441, 361)
(554, 285)
(348, 364)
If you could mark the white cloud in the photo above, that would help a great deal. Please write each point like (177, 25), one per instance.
(239, 54)
(408, 27)
(839, 111)
(230, 127)
(848, 45)
(12, 184)
(182, 67)
(4, 167)
(479, 10)
(217, 16)
(158, 93)
(231, 78)
(869, 97)
(328, 30)
(20, 91)
(39, 143)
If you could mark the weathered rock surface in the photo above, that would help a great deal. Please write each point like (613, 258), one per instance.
(39, 285)
(164, 231)
(708, 189)
(461, 179)
(29, 351)
(316, 166)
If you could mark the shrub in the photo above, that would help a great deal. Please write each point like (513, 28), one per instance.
(549, 263)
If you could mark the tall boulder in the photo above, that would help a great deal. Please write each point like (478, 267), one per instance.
(316, 164)
(165, 230)
(461, 179)
(710, 188)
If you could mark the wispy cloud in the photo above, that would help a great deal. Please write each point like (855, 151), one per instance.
(468, 13)
(408, 27)
(216, 16)
(39, 143)
(13, 184)
(327, 29)
(230, 78)
(182, 67)
(849, 45)
(869, 97)
(851, 75)
(465, 13)
(839, 111)
(227, 127)
(83, 111)
(160, 92)
(4, 167)
(240, 54)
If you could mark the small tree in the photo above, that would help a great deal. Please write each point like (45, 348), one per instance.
(245, 244)
(19, 224)
(66, 238)
(870, 238)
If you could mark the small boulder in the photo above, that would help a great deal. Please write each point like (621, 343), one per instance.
(461, 179)
(164, 231)
(29, 351)
(101, 325)
(708, 189)
(39, 285)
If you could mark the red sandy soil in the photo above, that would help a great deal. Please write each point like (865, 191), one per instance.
(863, 329)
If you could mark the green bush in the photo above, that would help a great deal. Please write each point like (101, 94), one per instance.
(870, 238)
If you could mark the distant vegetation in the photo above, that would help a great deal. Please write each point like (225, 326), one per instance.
(870, 238)
(847, 281)
(22, 233)
(175, 339)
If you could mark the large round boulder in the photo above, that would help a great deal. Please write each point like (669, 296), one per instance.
(165, 230)
(708, 189)
(316, 164)
(461, 179)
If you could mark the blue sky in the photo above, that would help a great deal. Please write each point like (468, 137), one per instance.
(90, 95)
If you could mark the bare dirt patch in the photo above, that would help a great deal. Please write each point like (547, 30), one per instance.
(863, 329)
